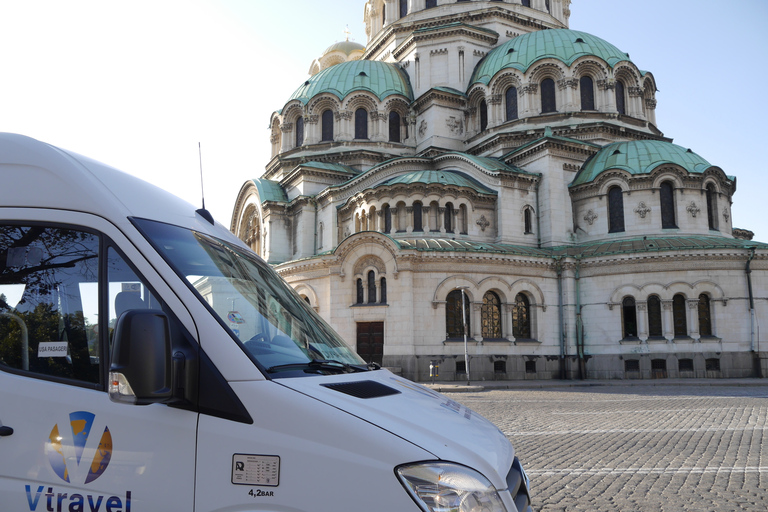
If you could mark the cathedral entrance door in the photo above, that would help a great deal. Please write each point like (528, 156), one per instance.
(370, 341)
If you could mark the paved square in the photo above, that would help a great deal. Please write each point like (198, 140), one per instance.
(637, 447)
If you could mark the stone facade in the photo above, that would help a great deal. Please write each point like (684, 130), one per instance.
(454, 161)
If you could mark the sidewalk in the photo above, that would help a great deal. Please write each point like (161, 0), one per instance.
(477, 386)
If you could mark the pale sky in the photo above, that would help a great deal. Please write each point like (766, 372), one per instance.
(138, 84)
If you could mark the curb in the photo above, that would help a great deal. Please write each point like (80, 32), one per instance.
(449, 387)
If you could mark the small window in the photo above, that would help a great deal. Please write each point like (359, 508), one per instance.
(528, 222)
(615, 210)
(712, 207)
(685, 365)
(678, 316)
(360, 291)
(667, 199)
(587, 90)
(705, 319)
(448, 221)
(629, 317)
(483, 115)
(530, 367)
(548, 102)
(403, 8)
(299, 132)
(454, 326)
(499, 367)
(361, 124)
(631, 365)
(659, 368)
(417, 217)
(620, 103)
(383, 292)
(511, 103)
(327, 125)
(490, 314)
(387, 219)
(371, 287)
(712, 364)
(433, 3)
(461, 367)
(394, 127)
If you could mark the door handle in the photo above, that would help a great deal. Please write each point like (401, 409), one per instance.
(5, 431)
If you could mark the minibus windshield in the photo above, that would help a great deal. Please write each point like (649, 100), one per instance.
(275, 326)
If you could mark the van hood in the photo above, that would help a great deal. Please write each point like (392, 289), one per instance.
(434, 422)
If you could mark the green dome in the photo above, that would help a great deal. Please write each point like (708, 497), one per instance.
(379, 78)
(639, 157)
(345, 46)
(562, 44)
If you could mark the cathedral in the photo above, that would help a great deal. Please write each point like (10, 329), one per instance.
(481, 193)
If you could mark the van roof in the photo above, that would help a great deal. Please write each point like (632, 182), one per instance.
(35, 174)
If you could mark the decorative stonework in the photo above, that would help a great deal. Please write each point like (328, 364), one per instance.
(726, 215)
(422, 128)
(483, 223)
(590, 217)
(642, 209)
(455, 125)
(693, 209)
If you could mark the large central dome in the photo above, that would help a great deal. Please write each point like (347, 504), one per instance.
(562, 44)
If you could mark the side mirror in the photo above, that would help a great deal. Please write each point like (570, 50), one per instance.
(140, 369)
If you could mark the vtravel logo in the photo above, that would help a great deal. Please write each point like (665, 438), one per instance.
(61, 447)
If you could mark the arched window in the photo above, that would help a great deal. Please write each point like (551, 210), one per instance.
(448, 221)
(483, 115)
(417, 212)
(299, 132)
(490, 315)
(371, 287)
(454, 326)
(403, 8)
(678, 316)
(327, 125)
(712, 207)
(383, 292)
(521, 317)
(705, 319)
(629, 317)
(387, 219)
(587, 90)
(667, 198)
(615, 210)
(510, 99)
(462, 221)
(548, 102)
(528, 221)
(361, 123)
(394, 127)
(620, 103)
(654, 317)
(360, 295)
(546, 4)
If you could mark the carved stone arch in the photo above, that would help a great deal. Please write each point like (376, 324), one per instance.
(323, 102)
(552, 69)
(649, 87)
(309, 292)
(529, 287)
(625, 290)
(627, 74)
(497, 285)
(682, 287)
(505, 79)
(454, 282)
(358, 245)
(361, 100)
(590, 66)
(369, 262)
(478, 93)
(614, 177)
(711, 288)
(669, 172)
(293, 111)
(653, 288)
(398, 105)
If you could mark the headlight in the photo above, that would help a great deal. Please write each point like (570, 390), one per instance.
(448, 487)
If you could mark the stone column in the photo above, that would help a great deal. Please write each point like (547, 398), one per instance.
(642, 320)
(667, 320)
(693, 319)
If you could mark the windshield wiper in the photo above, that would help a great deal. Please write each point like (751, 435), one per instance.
(330, 365)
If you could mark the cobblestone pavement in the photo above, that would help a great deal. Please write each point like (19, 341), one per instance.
(637, 448)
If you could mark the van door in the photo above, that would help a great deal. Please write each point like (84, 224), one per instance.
(64, 446)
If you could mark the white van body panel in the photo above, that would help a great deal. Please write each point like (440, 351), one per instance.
(327, 448)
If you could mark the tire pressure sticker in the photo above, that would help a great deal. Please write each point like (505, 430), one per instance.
(256, 470)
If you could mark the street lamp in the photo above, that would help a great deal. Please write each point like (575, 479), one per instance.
(464, 320)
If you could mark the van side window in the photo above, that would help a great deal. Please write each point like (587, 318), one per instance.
(48, 311)
(126, 290)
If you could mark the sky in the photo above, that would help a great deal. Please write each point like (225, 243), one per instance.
(159, 88)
